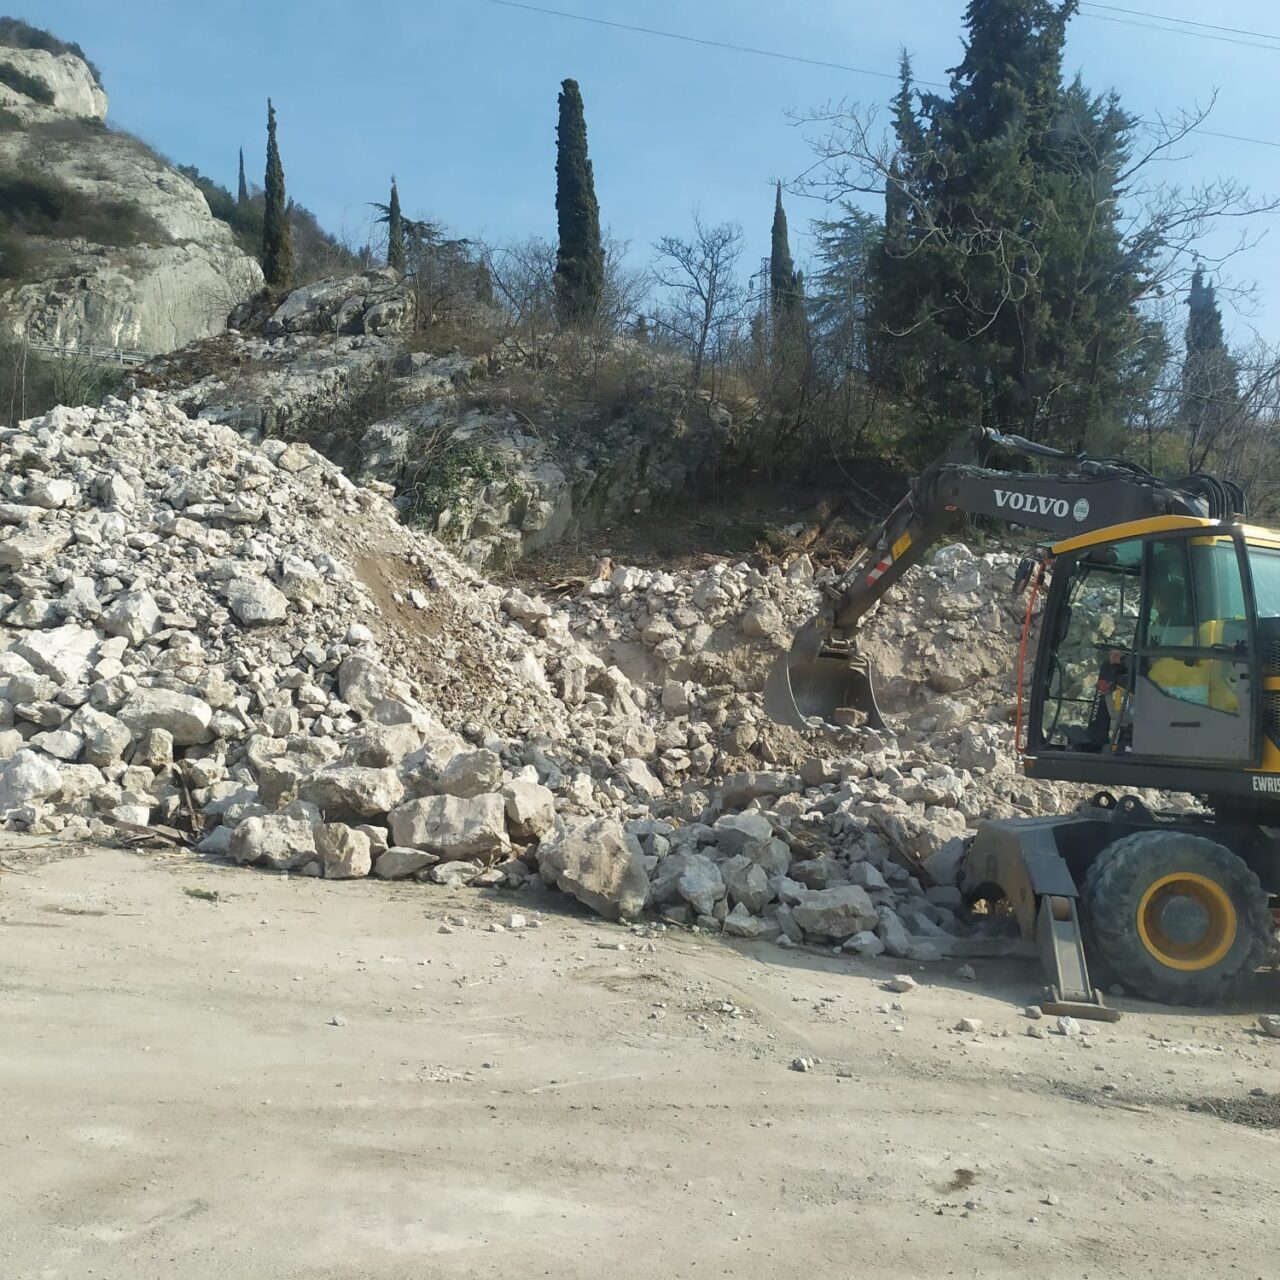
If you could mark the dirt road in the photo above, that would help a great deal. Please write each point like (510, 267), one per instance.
(178, 1102)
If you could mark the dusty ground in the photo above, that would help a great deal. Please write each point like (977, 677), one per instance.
(177, 1103)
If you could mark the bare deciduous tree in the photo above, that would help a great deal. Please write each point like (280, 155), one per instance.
(705, 300)
(523, 275)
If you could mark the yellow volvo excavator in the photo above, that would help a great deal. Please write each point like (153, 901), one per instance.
(1157, 666)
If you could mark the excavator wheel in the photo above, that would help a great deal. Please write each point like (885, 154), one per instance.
(1175, 918)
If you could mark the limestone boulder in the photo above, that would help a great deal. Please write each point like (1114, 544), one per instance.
(452, 827)
(531, 809)
(345, 853)
(256, 602)
(839, 912)
(282, 842)
(471, 773)
(351, 790)
(398, 863)
(600, 864)
(184, 717)
(25, 777)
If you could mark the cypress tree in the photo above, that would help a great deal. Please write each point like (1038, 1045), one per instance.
(395, 230)
(892, 293)
(790, 332)
(579, 276)
(242, 192)
(782, 274)
(277, 245)
(1210, 390)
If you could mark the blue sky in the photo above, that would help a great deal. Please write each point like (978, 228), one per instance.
(458, 98)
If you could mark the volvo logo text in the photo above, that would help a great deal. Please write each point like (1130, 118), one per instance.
(1035, 504)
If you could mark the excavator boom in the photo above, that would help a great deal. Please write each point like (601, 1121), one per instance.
(824, 676)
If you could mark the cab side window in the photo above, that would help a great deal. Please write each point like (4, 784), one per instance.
(1195, 595)
(1192, 697)
(1265, 564)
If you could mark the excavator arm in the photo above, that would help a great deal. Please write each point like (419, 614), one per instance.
(824, 676)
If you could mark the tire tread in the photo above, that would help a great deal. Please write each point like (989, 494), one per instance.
(1111, 888)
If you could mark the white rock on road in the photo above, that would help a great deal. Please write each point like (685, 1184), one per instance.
(597, 862)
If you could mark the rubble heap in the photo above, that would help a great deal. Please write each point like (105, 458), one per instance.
(202, 633)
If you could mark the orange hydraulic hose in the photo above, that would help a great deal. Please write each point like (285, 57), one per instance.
(1036, 576)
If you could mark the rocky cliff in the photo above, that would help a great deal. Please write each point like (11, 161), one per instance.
(147, 266)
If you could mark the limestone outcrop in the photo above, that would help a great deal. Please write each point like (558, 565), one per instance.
(168, 272)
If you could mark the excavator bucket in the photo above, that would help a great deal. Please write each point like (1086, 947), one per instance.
(819, 679)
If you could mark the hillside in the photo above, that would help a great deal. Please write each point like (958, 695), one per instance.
(103, 242)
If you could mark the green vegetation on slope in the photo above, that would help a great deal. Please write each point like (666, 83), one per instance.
(35, 205)
(32, 86)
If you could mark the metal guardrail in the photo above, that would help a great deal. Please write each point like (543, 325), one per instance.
(103, 355)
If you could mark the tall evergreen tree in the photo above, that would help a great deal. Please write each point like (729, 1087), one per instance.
(395, 231)
(790, 330)
(840, 293)
(782, 272)
(277, 245)
(909, 148)
(1004, 295)
(579, 276)
(242, 191)
(1210, 387)
(893, 301)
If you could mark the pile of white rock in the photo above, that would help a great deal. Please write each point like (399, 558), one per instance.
(232, 639)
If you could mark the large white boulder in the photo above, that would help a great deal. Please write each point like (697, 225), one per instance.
(25, 777)
(62, 653)
(133, 615)
(531, 809)
(599, 863)
(471, 773)
(342, 790)
(838, 912)
(256, 602)
(183, 716)
(345, 853)
(282, 841)
(452, 827)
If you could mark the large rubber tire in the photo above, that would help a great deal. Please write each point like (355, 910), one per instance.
(1124, 937)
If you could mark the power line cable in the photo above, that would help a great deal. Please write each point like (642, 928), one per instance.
(1185, 22)
(714, 44)
(1236, 137)
(790, 57)
(1178, 31)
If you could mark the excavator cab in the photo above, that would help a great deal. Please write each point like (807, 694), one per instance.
(1150, 660)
